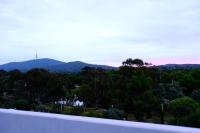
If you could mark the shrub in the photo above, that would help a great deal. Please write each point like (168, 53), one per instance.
(41, 108)
(77, 110)
(22, 104)
(93, 114)
(55, 108)
(182, 107)
(194, 119)
(114, 113)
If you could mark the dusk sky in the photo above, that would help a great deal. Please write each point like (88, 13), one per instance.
(100, 31)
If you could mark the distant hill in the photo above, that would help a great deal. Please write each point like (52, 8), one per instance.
(76, 66)
(51, 65)
(179, 66)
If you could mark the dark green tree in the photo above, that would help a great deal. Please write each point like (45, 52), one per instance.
(181, 108)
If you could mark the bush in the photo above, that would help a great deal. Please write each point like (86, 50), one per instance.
(93, 114)
(182, 107)
(8, 105)
(55, 108)
(194, 119)
(22, 104)
(114, 113)
(41, 108)
(77, 110)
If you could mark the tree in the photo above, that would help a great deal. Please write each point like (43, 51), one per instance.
(138, 62)
(139, 107)
(99, 81)
(139, 96)
(168, 91)
(54, 88)
(128, 62)
(151, 103)
(189, 83)
(194, 119)
(36, 80)
(182, 107)
(16, 75)
(196, 95)
(137, 85)
(134, 63)
(86, 94)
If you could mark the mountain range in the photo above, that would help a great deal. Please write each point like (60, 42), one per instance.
(51, 65)
(76, 66)
(179, 66)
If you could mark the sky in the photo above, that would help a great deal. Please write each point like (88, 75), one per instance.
(100, 31)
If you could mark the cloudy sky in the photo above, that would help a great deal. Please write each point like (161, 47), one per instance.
(100, 31)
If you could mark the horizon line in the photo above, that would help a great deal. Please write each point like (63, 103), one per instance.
(160, 64)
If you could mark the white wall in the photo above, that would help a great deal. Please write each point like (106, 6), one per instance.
(13, 121)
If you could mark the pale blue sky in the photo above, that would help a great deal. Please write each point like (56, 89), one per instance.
(100, 31)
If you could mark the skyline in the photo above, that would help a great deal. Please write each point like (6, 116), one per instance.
(101, 32)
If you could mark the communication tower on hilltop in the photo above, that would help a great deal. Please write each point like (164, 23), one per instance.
(36, 55)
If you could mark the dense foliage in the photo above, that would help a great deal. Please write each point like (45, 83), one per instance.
(136, 91)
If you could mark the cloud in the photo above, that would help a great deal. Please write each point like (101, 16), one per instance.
(99, 31)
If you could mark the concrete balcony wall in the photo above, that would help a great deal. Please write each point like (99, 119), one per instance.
(14, 121)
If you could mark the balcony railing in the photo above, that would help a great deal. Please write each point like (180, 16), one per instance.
(14, 121)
